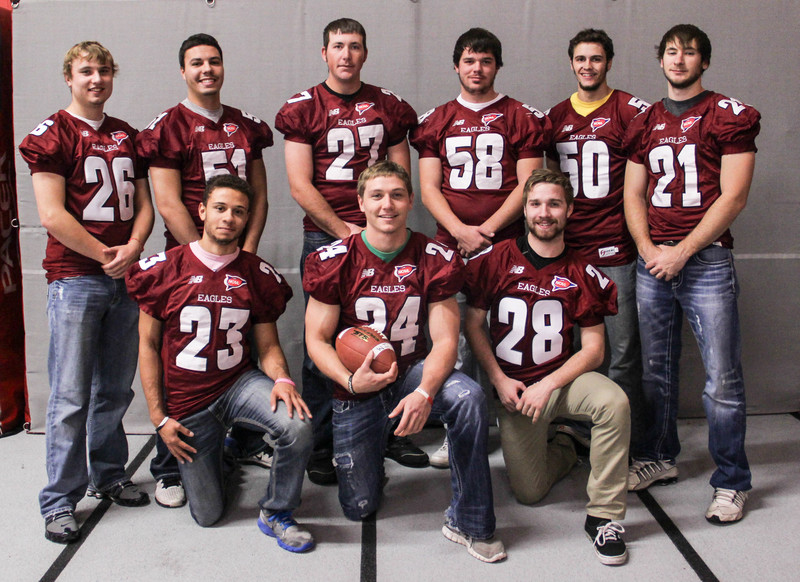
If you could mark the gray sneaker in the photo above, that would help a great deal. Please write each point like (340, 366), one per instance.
(642, 474)
(727, 506)
(289, 535)
(491, 550)
(62, 528)
(441, 458)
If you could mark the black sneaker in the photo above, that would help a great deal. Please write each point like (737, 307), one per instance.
(127, 494)
(405, 452)
(320, 469)
(607, 538)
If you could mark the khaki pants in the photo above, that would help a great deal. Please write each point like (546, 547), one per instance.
(534, 465)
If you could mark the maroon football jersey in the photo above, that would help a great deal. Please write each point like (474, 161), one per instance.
(99, 168)
(590, 150)
(683, 155)
(479, 153)
(346, 135)
(533, 312)
(392, 297)
(206, 317)
(181, 139)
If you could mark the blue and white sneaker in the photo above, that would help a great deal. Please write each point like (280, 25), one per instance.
(289, 535)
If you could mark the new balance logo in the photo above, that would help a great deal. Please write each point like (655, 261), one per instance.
(367, 273)
(517, 270)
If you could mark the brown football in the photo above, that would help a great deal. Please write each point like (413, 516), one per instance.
(354, 343)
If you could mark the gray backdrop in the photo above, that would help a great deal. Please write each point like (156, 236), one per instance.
(272, 50)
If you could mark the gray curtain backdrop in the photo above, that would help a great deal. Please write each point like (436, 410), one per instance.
(272, 51)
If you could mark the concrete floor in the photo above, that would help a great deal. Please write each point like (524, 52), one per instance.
(544, 542)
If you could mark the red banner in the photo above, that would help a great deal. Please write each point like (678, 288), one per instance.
(14, 413)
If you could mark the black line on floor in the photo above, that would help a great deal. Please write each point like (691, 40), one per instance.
(70, 550)
(796, 415)
(689, 554)
(369, 550)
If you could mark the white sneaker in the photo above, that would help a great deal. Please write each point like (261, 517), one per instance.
(441, 458)
(726, 507)
(642, 474)
(170, 492)
(491, 550)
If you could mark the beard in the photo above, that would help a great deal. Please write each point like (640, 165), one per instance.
(688, 82)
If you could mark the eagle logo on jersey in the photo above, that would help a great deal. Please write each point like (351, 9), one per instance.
(490, 117)
(686, 124)
(599, 122)
(234, 282)
(403, 271)
(119, 136)
(230, 128)
(562, 283)
(363, 106)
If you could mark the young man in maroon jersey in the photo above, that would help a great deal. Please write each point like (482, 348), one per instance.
(537, 290)
(198, 302)
(334, 131)
(398, 281)
(691, 160)
(587, 145)
(185, 147)
(94, 201)
(475, 154)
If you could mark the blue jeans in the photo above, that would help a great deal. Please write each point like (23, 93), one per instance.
(317, 391)
(625, 366)
(246, 403)
(94, 342)
(706, 291)
(360, 432)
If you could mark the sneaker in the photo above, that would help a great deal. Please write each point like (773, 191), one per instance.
(491, 550)
(289, 535)
(62, 528)
(726, 507)
(642, 474)
(405, 452)
(582, 442)
(126, 494)
(607, 538)
(441, 458)
(262, 459)
(320, 470)
(170, 492)
(91, 491)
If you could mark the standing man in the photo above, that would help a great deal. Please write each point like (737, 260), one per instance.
(334, 131)
(537, 290)
(688, 176)
(587, 145)
(185, 147)
(475, 153)
(198, 302)
(94, 201)
(398, 281)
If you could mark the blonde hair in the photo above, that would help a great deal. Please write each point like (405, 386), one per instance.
(90, 50)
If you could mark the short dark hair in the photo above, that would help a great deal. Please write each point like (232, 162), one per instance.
(200, 39)
(547, 176)
(478, 40)
(592, 35)
(344, 26)
(227, 181)
(684, 34)
(384, 168)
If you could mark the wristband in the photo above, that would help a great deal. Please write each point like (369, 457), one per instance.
(350, 385)
(162, 423)
(285, 381)
(427, 396)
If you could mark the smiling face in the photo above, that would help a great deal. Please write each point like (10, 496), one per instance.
(345, 55)
(204, 74)
(683, 65)
(476, 73)
(91, 84)
(386, 203)
(590, 66)
(546, 211)
(224, 218)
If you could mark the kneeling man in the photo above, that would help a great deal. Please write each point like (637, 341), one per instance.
(397, 281)
(537, 290)
(197, 304)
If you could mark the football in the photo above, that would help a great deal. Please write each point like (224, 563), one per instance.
(354, 343)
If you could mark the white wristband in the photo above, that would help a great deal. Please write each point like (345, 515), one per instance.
(162, 423)
(425, 394)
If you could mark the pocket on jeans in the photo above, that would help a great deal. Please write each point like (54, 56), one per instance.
(714, 255)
